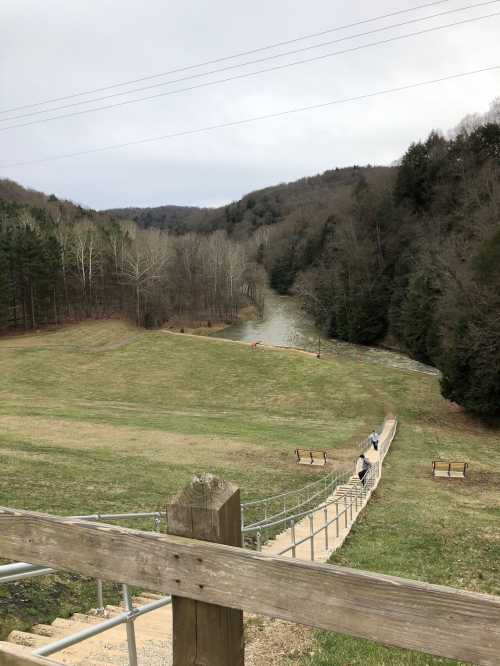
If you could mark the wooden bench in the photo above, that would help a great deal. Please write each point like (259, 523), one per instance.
(309, 457)
(449, 469)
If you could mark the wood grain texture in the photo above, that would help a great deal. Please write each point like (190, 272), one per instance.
(205, 633)
(409, 614)
(13, 655)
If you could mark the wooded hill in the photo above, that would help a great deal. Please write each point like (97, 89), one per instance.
(408, 255)
(60, 262)
(310, 198)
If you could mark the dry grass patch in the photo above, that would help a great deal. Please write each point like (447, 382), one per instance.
(275, 642)
(155, 445)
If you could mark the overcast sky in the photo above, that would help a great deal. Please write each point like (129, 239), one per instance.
(54, 48)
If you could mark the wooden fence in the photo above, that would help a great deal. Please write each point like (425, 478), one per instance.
(212, 583)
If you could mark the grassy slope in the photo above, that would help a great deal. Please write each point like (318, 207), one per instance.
(440, 531)
(105, 417)
(124, 428)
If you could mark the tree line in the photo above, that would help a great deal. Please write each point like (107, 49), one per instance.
(414, 262)
(60, 263)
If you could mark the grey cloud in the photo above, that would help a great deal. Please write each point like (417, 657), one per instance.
(56, 48)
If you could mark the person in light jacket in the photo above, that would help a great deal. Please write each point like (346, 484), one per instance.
(362, 467)
(374, 439)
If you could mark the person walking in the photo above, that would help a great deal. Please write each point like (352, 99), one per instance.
(362, 467)
(374, 439)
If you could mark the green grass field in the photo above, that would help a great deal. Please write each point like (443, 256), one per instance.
(436, 530)
(105, 417)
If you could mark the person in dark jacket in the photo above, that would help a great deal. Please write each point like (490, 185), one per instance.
(362, 467)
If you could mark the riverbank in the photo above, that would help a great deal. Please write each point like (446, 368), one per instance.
(209, 327)
(284, 324)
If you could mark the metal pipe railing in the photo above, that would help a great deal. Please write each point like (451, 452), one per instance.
(360, 491)
(329, 482)
(285, 494)
(301, 514)
(129, 624)
(309, 536)
(21, 570)
(95, 629)
(327, 490)
(352, 493)
(277, 519)
(373, 473)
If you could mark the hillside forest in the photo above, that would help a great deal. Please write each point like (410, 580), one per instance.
(407, 256)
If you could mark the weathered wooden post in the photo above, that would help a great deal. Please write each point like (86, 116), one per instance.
(205, 634)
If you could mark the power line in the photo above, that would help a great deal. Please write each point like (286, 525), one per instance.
(248, 74)
(250, 62)
(229, 57)
(244, 121)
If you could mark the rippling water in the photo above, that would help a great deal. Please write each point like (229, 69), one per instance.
(284, 324)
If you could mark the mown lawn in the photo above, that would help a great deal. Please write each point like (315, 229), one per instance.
(104, 417)
(436, 530)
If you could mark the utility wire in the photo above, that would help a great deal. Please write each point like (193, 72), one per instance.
(248, 74)
(250, 62)
(228, 57)
(244, 121)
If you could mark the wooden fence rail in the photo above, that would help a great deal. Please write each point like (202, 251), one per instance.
(409, 614)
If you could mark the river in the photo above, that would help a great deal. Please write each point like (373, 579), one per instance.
(285, 324)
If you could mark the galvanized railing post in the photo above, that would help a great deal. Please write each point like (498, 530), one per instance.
(100, 598)
(326, 527)
(259, 543)
(345, 508)
(311, 531)
(292, 531)
(132, 649)
(337, 519)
